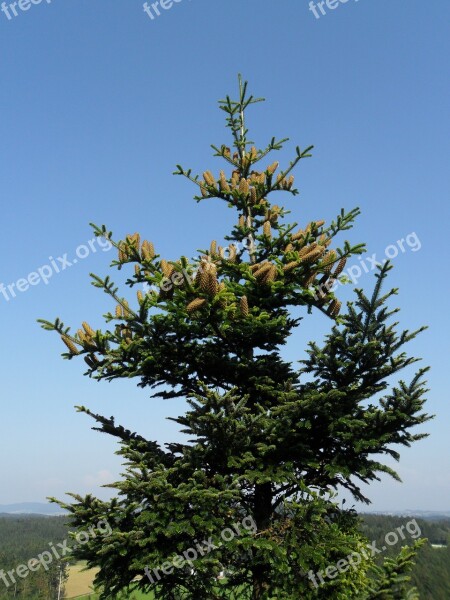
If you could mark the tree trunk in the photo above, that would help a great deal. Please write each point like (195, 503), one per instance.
(262, 515)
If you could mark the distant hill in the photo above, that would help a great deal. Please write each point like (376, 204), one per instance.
(31, 508)
(421, 514)
(51, 510)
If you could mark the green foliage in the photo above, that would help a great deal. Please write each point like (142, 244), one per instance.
(267, 440)
(24, 537)
(392, 578)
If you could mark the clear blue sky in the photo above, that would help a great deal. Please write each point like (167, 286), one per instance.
(99, 102)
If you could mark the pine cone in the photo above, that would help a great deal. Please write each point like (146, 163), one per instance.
(269, 275)
(255, 267)
(312, 256)
(267, 230)
(307, 249)
(223, 183)
(324, 240)
(209, 178)
(232, 253)
(244, 187)
(195, 305)
(134, 240)
(82, 336)
(328, 261)
(126, 309)
(259, 273)
(88, 329)
(300, 233)
(166, 268)
(91, 360)
(308, 282)
(212, 285)
(291, 265)
(246, 161)
(123, 254)
(272, 214)
(147, 250)
(70, 345)
(272, 168)
(243, 305)
(203, 278)
(334, 308)
(340, 267)
(127, 335)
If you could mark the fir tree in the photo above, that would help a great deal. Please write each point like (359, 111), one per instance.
(268, 441)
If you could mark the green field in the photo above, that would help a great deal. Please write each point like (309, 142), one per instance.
(79, 582)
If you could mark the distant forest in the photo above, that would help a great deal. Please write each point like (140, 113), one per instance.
(25, 537)
(431, 574)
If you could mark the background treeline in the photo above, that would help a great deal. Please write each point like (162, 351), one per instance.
(21, 539)
(431, 574)
(24, 537)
